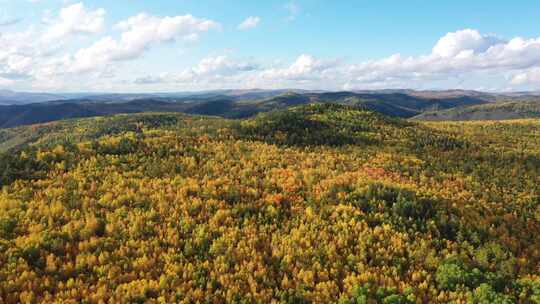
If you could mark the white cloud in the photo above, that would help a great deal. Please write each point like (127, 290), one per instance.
(224, 72)
(462, 42)
(530, 76)
(461, 59)
(457, 55)
(139, 33)
(249, 23)
(210, 69)
(303, 68)
(164, 29)
(75, 19)
(222, 65)
(41, 57)
(20, 53)
(464, 58)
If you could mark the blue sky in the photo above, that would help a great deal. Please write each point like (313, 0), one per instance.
(59, 45)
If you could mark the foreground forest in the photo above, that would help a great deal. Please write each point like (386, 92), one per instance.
(312, 204)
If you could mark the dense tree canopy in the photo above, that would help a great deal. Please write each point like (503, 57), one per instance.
(319, 204)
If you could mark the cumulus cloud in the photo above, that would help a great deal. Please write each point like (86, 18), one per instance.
(457, 54)
(530, 76)
(41, 55)
(222, 65)
(461, 59)
(249, 23)
(75, 19)
(20, 53)
(217, 68)
(458, 58)
(163, 29)
(304, 67)
(462, 42)
(139, 33)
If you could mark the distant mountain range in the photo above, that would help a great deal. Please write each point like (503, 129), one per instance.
(30, 108)
(8, 97)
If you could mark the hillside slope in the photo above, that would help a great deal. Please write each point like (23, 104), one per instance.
(317, 203)
(496, 111)
(12, 116)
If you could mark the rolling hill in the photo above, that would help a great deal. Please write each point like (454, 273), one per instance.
(231, 105)
(495, 111)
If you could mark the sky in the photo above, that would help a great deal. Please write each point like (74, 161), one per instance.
(193, 45)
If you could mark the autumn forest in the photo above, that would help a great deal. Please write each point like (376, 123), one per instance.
(318, 203)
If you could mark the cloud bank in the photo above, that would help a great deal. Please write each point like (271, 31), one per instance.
(458, 56)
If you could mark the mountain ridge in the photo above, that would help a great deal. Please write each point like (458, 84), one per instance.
(246, 103)
(10, 97)
(492, 111)
(240, 105)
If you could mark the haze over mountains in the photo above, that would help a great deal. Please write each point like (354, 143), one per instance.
(8, 97)
(19, 108)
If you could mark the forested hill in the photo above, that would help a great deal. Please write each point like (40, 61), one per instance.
(496, 111)
(318, 203)
(228, 106)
